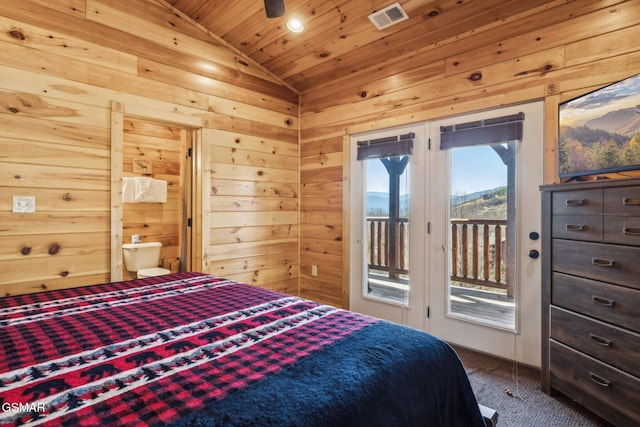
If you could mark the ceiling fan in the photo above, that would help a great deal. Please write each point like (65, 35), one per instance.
(274, 8)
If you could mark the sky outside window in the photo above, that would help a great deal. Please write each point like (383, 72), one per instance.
(477, 169)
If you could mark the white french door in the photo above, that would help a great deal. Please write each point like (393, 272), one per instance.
(387, 247)
(438, 192)
(484, 270)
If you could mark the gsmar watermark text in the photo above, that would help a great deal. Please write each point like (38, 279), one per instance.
(22, 407)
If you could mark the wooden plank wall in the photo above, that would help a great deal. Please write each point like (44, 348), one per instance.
(61, 65)
(63, 62)
(554, 52)
(254, 210)
(157, 151)
(64, 163)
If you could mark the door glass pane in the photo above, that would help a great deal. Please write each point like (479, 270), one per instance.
(387, 230)
(481, 287)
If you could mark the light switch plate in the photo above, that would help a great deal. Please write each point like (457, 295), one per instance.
(24, 204)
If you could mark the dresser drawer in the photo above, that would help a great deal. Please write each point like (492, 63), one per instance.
(599, 261)
(615, 346)
(581, 202)
(623, 201)
(622, 229)
(604, 301)
(577, 227)
(612, 386)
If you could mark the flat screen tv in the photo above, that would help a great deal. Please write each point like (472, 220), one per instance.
(599, 132)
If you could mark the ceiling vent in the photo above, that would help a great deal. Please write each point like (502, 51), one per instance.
(388, 16)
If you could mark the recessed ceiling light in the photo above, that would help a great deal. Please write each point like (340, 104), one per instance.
(295, 25)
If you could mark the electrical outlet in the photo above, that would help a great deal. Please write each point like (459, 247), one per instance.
(314, 270)
(24, 204)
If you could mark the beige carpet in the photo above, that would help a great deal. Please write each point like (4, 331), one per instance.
(523, 404)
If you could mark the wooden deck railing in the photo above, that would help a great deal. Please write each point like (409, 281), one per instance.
(478, 250)
(383, 256)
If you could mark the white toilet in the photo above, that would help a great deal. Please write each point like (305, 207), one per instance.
(143, 258)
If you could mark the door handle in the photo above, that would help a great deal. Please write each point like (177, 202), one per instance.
(534, 254)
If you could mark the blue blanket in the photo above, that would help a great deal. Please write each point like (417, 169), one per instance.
(195, 349)
(384, 375)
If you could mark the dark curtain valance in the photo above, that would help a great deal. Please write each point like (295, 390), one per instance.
(393, 146)
(490, 131)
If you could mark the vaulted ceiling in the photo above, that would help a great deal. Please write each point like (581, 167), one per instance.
(339, 39)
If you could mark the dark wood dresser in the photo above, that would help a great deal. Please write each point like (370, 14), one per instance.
(591, 295)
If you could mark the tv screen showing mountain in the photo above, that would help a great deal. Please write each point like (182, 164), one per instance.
(599, 132)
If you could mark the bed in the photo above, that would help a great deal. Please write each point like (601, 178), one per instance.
(198, 350)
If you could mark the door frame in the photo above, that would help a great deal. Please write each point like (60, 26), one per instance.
(195, 173)
(522, 345)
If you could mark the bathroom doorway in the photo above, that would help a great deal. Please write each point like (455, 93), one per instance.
(159, 152)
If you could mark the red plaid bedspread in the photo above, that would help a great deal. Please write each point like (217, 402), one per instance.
(146, 351)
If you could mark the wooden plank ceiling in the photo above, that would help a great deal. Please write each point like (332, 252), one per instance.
(339, 39)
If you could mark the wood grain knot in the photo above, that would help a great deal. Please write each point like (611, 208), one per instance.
(241, 62)
(26, 250)
(54, 249)
(17, 34)
(14, 110)
(475, 77)
(43, 286)
(288, 122)
(64, 273)
(363, 94)
(67, 197)
(433, 12)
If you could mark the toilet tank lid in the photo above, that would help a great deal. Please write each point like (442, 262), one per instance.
(141, 245)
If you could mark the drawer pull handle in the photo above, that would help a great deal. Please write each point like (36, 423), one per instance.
(602, 262)
(602, 301)
(630, 202)
(575, 202)
(599, 380)
(628, 231)
(574, 227)
(599, 340)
